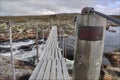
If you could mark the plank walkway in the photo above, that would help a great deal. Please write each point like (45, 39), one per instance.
(52, 65)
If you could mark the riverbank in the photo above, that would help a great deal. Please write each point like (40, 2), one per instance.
(23, 69)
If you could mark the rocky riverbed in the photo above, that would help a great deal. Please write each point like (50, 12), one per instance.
(23, 69)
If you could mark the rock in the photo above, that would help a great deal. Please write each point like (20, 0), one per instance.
(105, 60)
(31, 36)
(26, 47)
(112, 31)
(4, 37)
(22, 74)
(114, 58)
(23, 69)
(107, 77)
(30, 33)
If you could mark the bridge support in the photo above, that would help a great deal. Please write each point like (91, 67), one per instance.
(89, 46)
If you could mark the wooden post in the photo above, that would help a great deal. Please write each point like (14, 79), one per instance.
(60, 37)
(58, 24)
(89, 47)
(63, 41)
(43, 35)
(65, 48)
(51, 23)
(11, 50)
(37, 44)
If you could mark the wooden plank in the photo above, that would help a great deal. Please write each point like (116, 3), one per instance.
(36, 71)
(60, 55)
(51, 65)
(47, 71)
(45, 54)
(59, 71)
(56, 54)
(53, 70)
(48, 54)
(64, 69)
(42, 71)
(52, 53)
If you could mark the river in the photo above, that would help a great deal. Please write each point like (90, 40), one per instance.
(112, 42)
(112, 39)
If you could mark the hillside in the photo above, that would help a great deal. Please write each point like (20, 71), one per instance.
(46, 18)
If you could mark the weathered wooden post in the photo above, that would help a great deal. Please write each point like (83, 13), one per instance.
(89, 47)
(43, 36)
(37, 51)
(65, 47)
(51, 23)
(63, 44)
(11, 49)
(60, 40)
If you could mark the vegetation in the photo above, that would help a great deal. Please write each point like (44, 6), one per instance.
(20, 23)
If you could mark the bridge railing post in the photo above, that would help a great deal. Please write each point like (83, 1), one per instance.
(89, 46)
(37, 47)
(11, 50)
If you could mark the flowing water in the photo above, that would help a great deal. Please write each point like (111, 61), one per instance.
(21, 54)
(112, 42)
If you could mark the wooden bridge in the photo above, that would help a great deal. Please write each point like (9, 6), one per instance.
(89, 30)
(51, 64)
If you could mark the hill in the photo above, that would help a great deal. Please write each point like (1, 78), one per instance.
(46, 18)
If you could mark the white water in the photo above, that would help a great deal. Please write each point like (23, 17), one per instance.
(20, 54)
(112, 41)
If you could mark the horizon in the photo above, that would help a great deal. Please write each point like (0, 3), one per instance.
(45, 15)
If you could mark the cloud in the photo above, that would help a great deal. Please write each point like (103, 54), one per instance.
(39, 7)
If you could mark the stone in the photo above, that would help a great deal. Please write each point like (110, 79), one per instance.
(23, 69)
(107, 77)
(114, 58)
(25, 47)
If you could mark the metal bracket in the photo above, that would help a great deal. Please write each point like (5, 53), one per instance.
(87, 10)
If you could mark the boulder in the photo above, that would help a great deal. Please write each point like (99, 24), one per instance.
(112, 31)
(4, 37)
(107, 77)
(26, 47)
(114, 58)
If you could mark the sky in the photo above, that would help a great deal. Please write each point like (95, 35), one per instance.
(47, 7)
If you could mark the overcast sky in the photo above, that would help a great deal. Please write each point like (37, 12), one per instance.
(43, 7)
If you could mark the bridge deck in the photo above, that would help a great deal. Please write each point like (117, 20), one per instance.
(52, 65)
